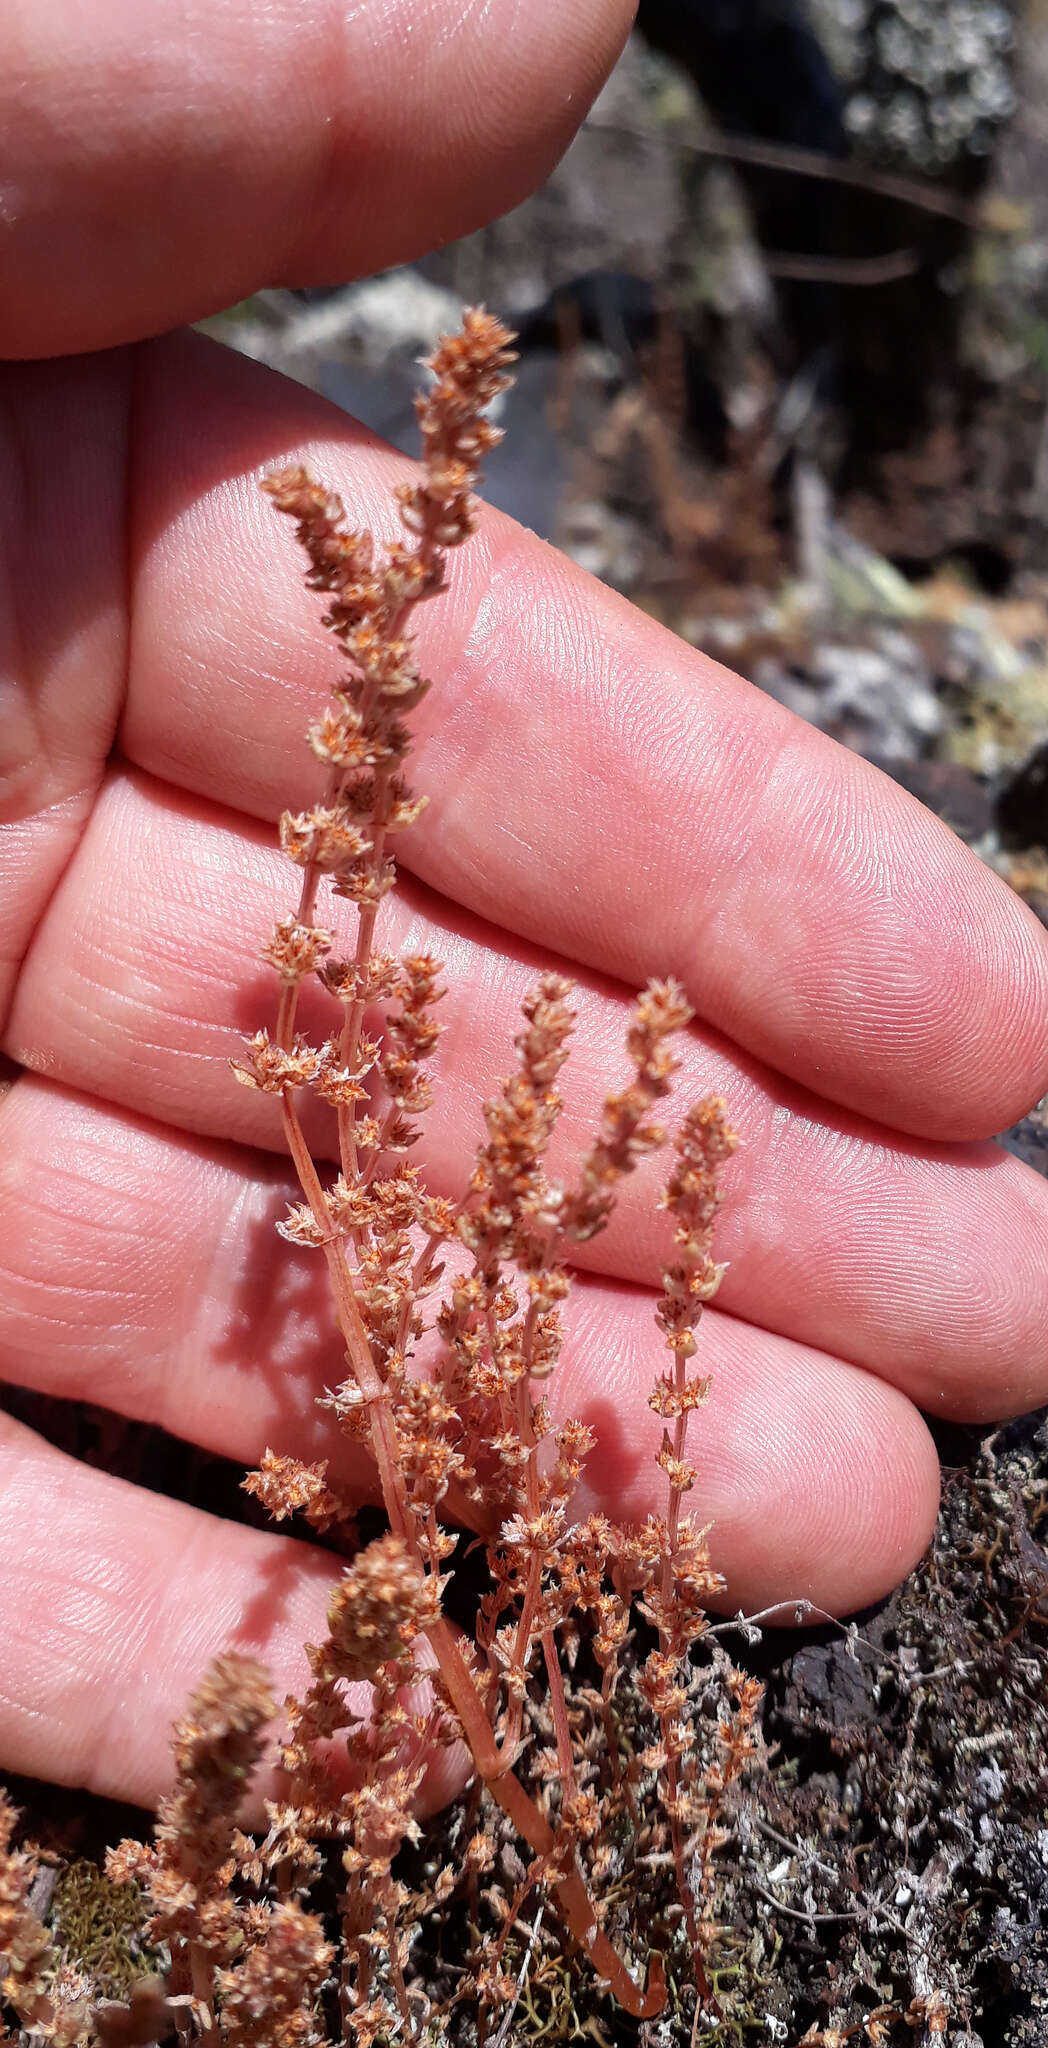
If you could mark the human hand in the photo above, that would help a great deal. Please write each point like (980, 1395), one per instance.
(871, 999)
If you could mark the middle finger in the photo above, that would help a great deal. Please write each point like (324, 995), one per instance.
(923, 1263)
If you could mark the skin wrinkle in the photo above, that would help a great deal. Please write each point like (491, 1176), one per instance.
(337, 82)
(842, 831)
(885, 986)
(725, 912)
(731, 879)
(20, 866)
(221, 1262)
(970, 1302)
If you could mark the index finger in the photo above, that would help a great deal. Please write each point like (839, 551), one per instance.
(594, 783)
(161, 159)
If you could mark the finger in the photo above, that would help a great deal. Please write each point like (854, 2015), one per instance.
(854, 946)
(117, 1600)
(593, 784)
(161, 162)
(63, 622)
(142, 1271)
(924, 1264)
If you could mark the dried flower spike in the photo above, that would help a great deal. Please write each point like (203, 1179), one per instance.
(474, 1440)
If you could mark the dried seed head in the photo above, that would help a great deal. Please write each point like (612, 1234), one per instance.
(25, 1945)
(296, 950)
(286, 1486)
(217, 1746)
(269, 2000)
(271, 1068)
(378, 1609)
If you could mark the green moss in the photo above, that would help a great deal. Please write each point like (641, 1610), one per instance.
(97, 1927)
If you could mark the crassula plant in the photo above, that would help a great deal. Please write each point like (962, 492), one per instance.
(449, 1324)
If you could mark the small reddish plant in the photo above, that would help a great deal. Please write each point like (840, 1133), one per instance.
(472, 1444)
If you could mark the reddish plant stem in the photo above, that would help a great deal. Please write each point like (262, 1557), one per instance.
(687, 1896)
(203, 1980)
(459, 1683)
(347, 1309)
(529, 1822)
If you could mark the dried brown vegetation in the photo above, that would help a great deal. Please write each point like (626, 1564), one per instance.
(565, 1807)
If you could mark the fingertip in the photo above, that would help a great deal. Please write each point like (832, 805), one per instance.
(986, 1063)
(841, 1506)
(905, 981)
(820, 1483)
(475, 112)
(119, 1601)
(214, 151)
